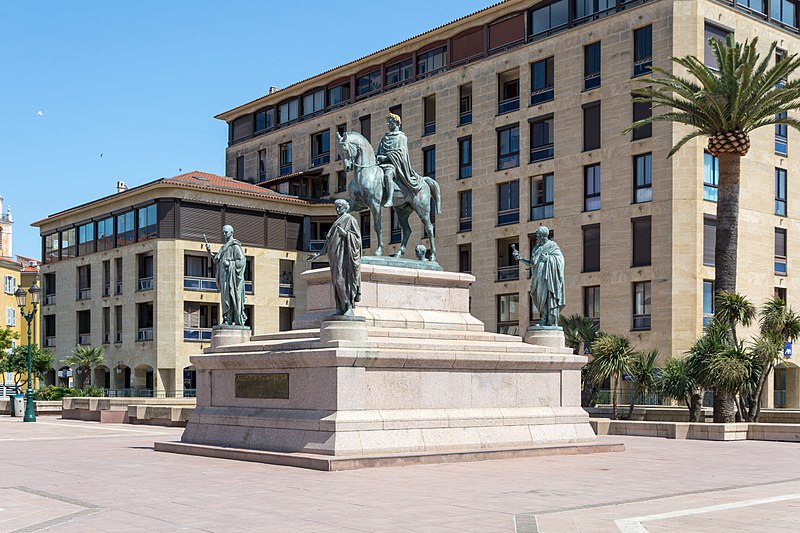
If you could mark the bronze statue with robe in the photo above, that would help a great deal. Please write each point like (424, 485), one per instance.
(547, 277)
(393, 158)
(230, 264)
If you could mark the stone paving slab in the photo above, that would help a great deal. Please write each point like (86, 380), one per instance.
(93, 477)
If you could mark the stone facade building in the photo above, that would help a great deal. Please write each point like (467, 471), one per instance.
(517, 111)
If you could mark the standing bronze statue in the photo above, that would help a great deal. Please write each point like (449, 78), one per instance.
(230, 264)
(547, 277)
(343, 247)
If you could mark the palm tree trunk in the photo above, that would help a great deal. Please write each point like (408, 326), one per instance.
(614, 398)
(727, 233)
(695, 407)
(724, 408)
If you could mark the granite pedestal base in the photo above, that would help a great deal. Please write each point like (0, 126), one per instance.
(418, 376)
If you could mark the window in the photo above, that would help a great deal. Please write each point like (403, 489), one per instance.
(430, 63)
(397, 110)
(106, 278)
(365, 126)
(593, 9)
(339, 95)
(755, 5)
(106, 325)
(197, 266)
(591, 66)
(508, 147)
(591, 303)
(591, 187)
(341, 181)
(713, 32)
(782, 135)
(780, 192)
(542, 197)
(429, 161)
(262, 165)
(240, 168)
(542, 81)
(365, 224)
(84, 282)
(708, 301)
(145, 272)
(465, 211)
(368, 84)
(591, 126)
(549, 19)
(11, 317)
(508, 98)
(642, 50)
(49, 325)
(641, 229)
(465, 104)
(286, 158)
(147, 226)
(265, 119)
(314, 103)
(144, 312)
(125, 229)
(784, 11)
(508, 203)
(641, 111)
(105, 234)
(288, 112)
(507, 313)
(400, 73)
(465, 258)
(642, 178)
(709, 240)
(542, 139)
(429, 115)
(780, 251)
(84, 327)
(198, 319)
(118, 272)
(396, 234)
(320, 148)
(86, 239)
(51, 247)
(117, 323)
(591, 248)
(780, 292)
(710, 177)
(465, 158)
(68, 248)
(641, 305)
(9, 284)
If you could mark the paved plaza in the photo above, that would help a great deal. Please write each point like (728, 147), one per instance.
(60, 475)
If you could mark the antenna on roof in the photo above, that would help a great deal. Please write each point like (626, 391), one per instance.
(121, 187)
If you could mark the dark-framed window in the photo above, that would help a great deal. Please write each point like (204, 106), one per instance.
(754, 5)
(508, 203)
(549, 19)
(288, 111)
(642, 50)
(782, 135)
(105, 234)
(586, 10)
(126, 232)
(507, 313)
(780, 251)
(69, 247)
(591, 248)
(262, 164)
(641, 111)
(780, 192)
(641, 305)
(542, 80)
(240, 168)
(780, 292)
(465, 258)
(708, 301)
(314, 103)
(86, 239)
(465, 157)
(465, 211)
(368, 84)
(710, 177)
(508, 147)
(465, 104)
(400, 73)
(396, 234)
(784, 11)
(265, 119)
(712, 32)
(641, 230)
(508, 97)
(365, 229)
(147, 223)
(341, 181)
(339, 95)
(431, 62)
(286, 158)
(429, 161)
(642, 178)
(709, 240)
(542, 197)
(542, 140)
(429, 115)
(320, 148)
(52, 246)
(591, 187)
(397, 110)
(591, 66)
(591, 303)
(365, 126)
(591, 126)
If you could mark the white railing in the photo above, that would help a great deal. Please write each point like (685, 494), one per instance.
(144, 334)
(84, 340)
(146, 284)
(84, 294)
(49, 299)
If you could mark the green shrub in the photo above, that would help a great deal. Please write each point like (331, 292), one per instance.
(54, 393)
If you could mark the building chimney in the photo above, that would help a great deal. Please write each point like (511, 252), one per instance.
(121, 187)
(272, 89)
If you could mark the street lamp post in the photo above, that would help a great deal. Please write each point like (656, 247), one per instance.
(30, 413)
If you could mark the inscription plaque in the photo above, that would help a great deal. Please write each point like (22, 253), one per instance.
(262, 386)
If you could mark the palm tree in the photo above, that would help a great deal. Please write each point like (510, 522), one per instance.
(725, 106)
(579, 331)
(85, 357)
(643, 375)
(677, 382)
(716, 338)
(611, 358)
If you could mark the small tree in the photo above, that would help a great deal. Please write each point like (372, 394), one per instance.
(580, 332)
(732, 309)
(85, 357)
(611, 358)
(16, 362)
(6, 336)
(677, 382)
(643, 375)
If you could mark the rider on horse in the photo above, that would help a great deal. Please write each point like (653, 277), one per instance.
(393, 158)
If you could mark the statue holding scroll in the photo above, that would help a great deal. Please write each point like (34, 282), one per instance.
(547, 277)
(230, 265)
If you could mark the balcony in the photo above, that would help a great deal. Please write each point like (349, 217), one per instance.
(50, 299)
(541, 153)
(316, 245)
(84, 294)
(199, 284)
(118, 337)
(591, 81)
(197, 334)
(507, 216)
(50, 342)
(145, 284)
(285, 169)
(248, 287)
(539, 212)
(429, 128)
(286, 289)
(119, 287)
(465, 224)
(508, 105)
(317, 160)
(641, 322)
(106, 290)
(84, 339)
(507, 273)
(642, 66)
(465, 117)
(542, 95)
(144, 334)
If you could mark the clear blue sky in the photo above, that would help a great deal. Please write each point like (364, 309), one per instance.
(140, 81)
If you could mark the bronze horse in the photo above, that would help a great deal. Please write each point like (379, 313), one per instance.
(367, 191)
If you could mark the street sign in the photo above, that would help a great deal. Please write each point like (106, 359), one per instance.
(787, 349)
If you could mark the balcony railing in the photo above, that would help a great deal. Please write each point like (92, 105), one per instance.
(286, 169)
(147, 393)
(286, 289)
(320, 159)
(84, 294)
(50, 299)
(119, 287)
(780, 265)
(315, 245)
(508, 216)
(508, 105)
(144, 334)
(591, 81)
(84, 339)
(199, 284)
(505, 161)
(248, 287)
(544, 94)
(465, 224)
(541, 153)
(429, 128)
(507, 273)
(464, 171)
(146, 284)
(197, 334)
(539, 212)
(465, 117)
(641, 321)
(642, 66)
(49, 342)
(106, 290)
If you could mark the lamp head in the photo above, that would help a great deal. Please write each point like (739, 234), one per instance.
(35, 292)
(21, 296)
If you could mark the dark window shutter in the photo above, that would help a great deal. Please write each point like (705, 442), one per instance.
(294, 233)
(591, 126)
(642, 110)
(166, 219)
(591, 248)
(507, 31)
(641, 229)
(780, 242)
(198, 220)
(242, 127)
(467, 44)
(709, 240)
(248, 226)
(276, 231)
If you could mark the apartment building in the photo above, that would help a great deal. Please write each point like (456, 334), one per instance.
(517, 111)
(129, 272)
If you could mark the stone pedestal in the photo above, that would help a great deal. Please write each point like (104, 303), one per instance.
(551, 336)
(417, 378)
(223, 335)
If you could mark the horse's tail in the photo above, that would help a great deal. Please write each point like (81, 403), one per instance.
(436, 193)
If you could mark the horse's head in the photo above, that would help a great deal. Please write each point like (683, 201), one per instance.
(355, 150)
(347, 149)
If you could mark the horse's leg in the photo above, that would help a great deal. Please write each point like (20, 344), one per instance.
(429, 228)
(402, 216)
(375, 208)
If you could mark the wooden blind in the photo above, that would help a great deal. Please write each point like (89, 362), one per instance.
(276, 231)
(294, 233)
(591, 126)
(780, 242)
(248, 226)
(166, 219)
(467, 44)
(709, 240)
(641, 229)
(507, 31)
(197, 220)
(591, 248)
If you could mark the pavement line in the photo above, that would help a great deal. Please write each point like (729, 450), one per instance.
(92, 426)
(634, 525)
